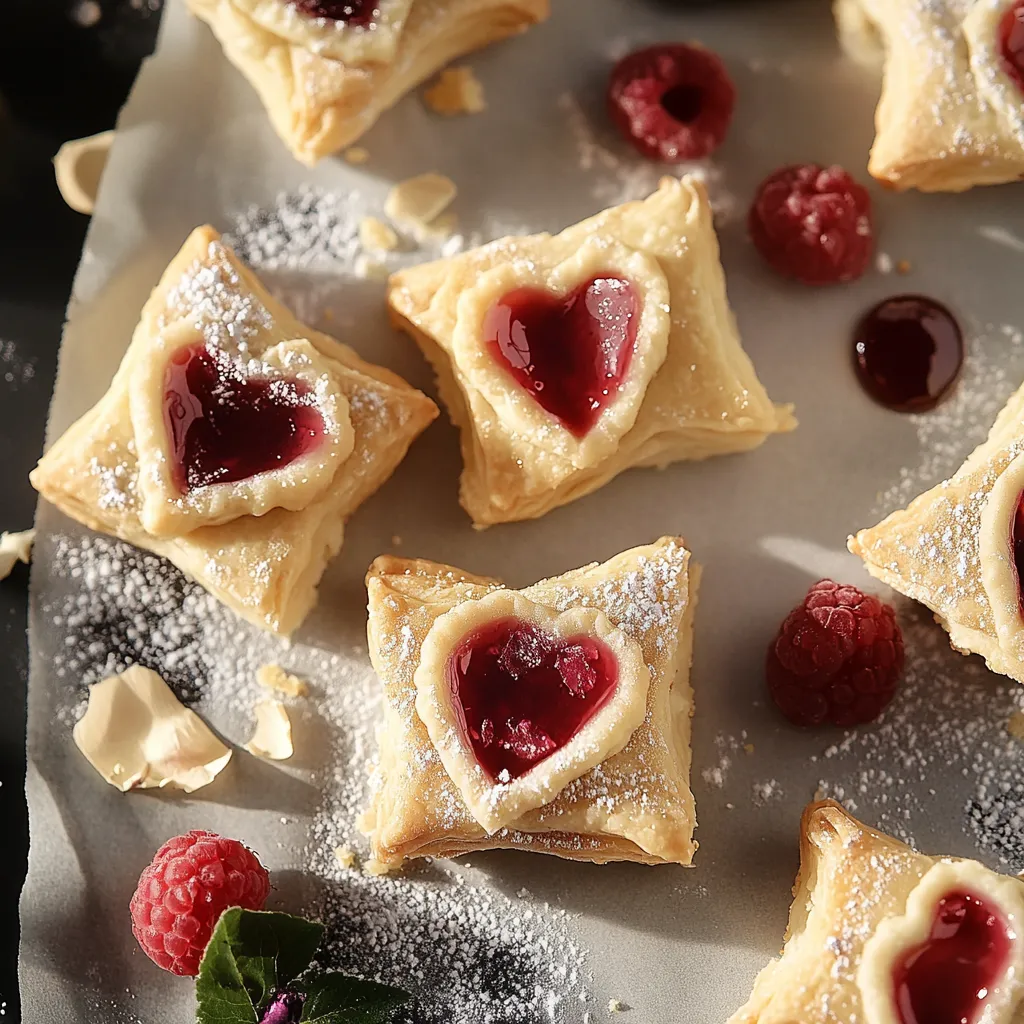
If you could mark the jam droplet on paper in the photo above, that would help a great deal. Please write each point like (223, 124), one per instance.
(522, 694)
(224, 426)
(570, 353)
(1011, 42)
(907, 352)
(947, 978)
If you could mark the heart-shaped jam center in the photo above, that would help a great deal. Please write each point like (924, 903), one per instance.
(947, 979)
(522, 694)
(351, 12)
(571, 353)
(224, 426)
(1011, 42)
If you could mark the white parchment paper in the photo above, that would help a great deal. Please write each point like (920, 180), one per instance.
(678, 946)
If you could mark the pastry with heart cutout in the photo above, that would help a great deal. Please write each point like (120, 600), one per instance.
(951, 115)
(567, 359)
(327, 69)
(881, 934)
(959, 548)
(554, 719)
(234, 440)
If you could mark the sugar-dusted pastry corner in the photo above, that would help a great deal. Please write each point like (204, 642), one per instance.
(881, 934)
(951, 115)
(649, 369)
(959, 547)
(234, 440)
(586, 757)
(326, 71)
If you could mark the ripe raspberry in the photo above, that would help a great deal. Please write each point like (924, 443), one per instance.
(813, 223)
(837, 658)
(193, 879)
(673, 102)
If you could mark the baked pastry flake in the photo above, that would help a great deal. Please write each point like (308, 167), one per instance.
(567, 359)
(553, 719)
(881, 934)
(951, 114)
(234, 440)
(325, 81)
(959, 548)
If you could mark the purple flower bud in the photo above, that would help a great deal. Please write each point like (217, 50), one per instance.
(284, 1008)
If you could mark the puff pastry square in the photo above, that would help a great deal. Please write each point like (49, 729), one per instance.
(864, 904)
(950, 116)
(689, 390)
(634, 804)
(325, 85)
(952, 548)
(260, 545)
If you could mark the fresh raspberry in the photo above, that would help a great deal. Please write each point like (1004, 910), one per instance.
(673, 102)
(813, 223)
(837, 658)
(193, 879)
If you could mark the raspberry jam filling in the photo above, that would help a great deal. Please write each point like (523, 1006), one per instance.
(522, 694)
(1017, 544)
(351, 12)
(572, 353)
(946, 980)
(225, 427)
(1011, 42)
(907, 352)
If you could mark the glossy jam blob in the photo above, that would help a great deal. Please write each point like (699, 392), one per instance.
(1011, 42)
(570, 353)
(522, 694)
(351, 12)
(225, 427)
(1017, 544)
(907, 352)
(947, 978)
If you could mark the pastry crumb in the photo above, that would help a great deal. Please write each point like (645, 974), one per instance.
(617, 1006)
(356, 155)
(369, 269)
(457, 91)
(748, 747)
(903, 267)
(417, 205)
(375, 234)
(378, 867)
(345, 856)
(1015, 726)
(15, 547)
(274, 677)
(396, 541)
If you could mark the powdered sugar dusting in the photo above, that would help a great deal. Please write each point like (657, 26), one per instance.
(616, 178)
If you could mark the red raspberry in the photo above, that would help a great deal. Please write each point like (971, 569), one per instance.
(193, 879)
(837, 657)
(673, 102)
(813, 223)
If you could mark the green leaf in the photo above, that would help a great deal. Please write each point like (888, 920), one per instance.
(338, 999)
(251, 954)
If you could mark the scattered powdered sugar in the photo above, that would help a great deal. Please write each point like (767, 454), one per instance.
(16, 371)
(616, 178)
(993, 370)
(766, 791)
(470, 954)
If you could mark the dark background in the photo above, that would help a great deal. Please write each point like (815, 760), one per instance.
(60, 79)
